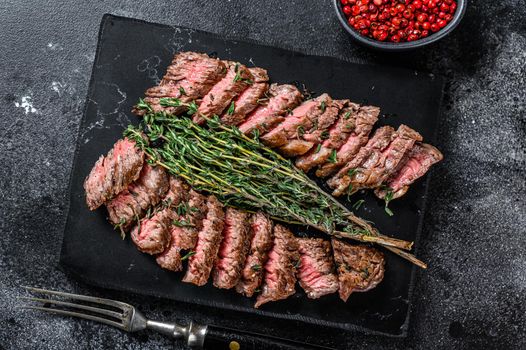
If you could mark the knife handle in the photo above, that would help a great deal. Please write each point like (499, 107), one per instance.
(220, 338)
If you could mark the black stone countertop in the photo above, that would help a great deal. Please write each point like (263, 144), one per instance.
(472, 296)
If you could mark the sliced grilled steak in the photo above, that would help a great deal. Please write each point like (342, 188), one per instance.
(217, 100)
(302, 119)
(377, 168)
(113, 173)
(316, 272)
(280, 269)
(367, 116)
(186, 221)
(234, 249)
(337, 135)
(146, 191)
(190, 77)
(208, 241)
(380, 140)
(416, 163)
(280, 100)
(151, 235)
(178, 192)
(262, 238)
(316, 135)
(247, 101)
(360, 268)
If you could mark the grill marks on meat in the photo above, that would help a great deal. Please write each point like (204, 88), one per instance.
(186, 220)
(146, 191)
(262, 237)
(208, 241)
(280, 269)
(234, 249)
(113, 173)
(302, 119)
(414, 165)
(380, 140)
(237, 79)
(337, 135)
(360, 268)
(316, 271)
(279, 101)
(247, 101)
(365, 119)
(190, 77)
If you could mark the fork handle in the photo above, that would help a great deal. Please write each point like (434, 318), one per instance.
(219, 338)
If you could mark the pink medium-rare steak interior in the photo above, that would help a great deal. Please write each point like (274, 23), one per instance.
(208, 241)
(262, 240)
(247, 101)
(113, 173)
(233, 250)
(316, 273)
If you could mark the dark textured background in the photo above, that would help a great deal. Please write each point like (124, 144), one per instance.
(472, 296)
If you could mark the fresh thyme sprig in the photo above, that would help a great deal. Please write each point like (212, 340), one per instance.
(243, 173)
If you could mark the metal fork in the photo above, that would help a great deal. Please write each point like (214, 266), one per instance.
(127, 318)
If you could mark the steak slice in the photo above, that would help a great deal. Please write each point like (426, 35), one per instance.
(415, 164)
(380, 140)
(190, 77)
(187, 220)
(280, 269)
(234, 249)
(113, 173)
(337, 135)
(280, 100)
(302, 119)
(366, 118)
(261, 243)
(146, 191)
(316, 271)
(151, 235)
(316, 135)
(377, 168)
(247, 101)
(208, 241)
(237, 79)
(360, 268)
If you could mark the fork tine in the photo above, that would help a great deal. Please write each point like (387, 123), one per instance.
(106, 312)
(75, 314)
(114, 303)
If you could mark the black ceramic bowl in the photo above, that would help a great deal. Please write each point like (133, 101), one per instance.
(402, 46)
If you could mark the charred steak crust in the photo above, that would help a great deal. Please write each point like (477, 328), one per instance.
(247, 101)
(278, 101)
(131, 204)
(365, 119)
(262, 237)
(233, 250)
(151, 235)
(112, 173)
(208, 241)
(335, 137)
(360, 268)
(316, 273)
(375, 170)
(237, 79)
(414, 165)
(190, 77)
(302, 119)
(186, 220)
(280, 269)
(342, 180)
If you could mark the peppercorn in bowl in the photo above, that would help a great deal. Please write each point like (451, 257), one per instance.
(399, 25)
